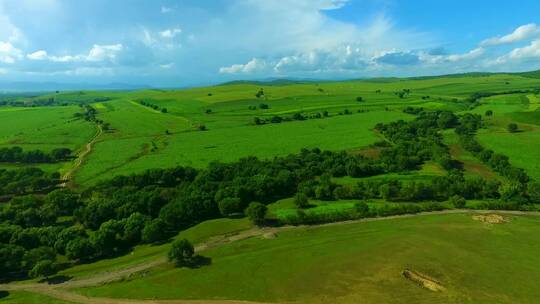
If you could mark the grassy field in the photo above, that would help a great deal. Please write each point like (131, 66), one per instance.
(361, 262)
(20, 297)
(142, 137)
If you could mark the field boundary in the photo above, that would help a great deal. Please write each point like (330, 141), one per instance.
(67, 178)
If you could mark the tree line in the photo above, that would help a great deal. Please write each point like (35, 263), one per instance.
(18, 155)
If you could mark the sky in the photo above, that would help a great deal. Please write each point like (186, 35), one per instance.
(166, 43)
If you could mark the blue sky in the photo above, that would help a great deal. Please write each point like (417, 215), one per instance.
(192, 42)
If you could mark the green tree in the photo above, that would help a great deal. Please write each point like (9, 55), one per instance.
(533, 190)
(43, 268)
(181, 253)
(458, 201)
(256, 212)
(489, 113)
(79, 249)
(154, 231)
(230, 205)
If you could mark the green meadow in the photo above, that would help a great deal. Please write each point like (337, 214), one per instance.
(360, 262)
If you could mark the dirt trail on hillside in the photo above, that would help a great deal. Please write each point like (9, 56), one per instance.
(62, 290)
(67, 177)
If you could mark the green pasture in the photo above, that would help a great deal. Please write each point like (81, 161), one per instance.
(360, 263)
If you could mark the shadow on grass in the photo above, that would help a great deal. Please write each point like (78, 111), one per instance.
(4, 294)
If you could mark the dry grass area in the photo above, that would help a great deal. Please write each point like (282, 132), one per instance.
(423, 280)
(491, 219)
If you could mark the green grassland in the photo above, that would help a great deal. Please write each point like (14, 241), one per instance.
(20, 297)
(141, 137)
(360, 262)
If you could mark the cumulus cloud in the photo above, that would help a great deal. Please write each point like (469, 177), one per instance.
(8, 53)
(521, 33)
(473, 54)
(97, 53)
(252, 66)
(522, 54)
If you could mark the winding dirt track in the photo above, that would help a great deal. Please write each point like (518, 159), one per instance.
(67, 177)
(62, 290)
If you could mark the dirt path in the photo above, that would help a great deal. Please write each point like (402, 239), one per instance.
(67, 177)
(62, 291)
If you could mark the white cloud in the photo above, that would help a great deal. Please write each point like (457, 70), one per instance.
(523, 54)
(97, 53)
(254, 65)
(521, 33)
(104, 52)
(38, 55)
(170, 33)
(473, 54)
(8, 53)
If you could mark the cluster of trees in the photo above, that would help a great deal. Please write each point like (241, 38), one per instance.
(439, 188)
(403, 93)
(360, 210)
(517, 187)
(417, 141)
(89, 113)
(300, 116)
(18, 155)
(30, 237)
(153, 106)
(26, 180)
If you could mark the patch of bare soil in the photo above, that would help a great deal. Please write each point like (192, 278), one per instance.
(491, 219)
(423, 280)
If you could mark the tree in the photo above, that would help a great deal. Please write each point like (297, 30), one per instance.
(230, 205)
(458, 201)
(164, 110)
(64, 200)
(134, 226)
(181, 253)
(33, 256)
(256, 212)
(79, 249)
(362, 208)
(512, 127)
(301, 200)
(202, 127)
(154, 231)
(359, 99)
(489, 113)
(533, 190)
(43, 268)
